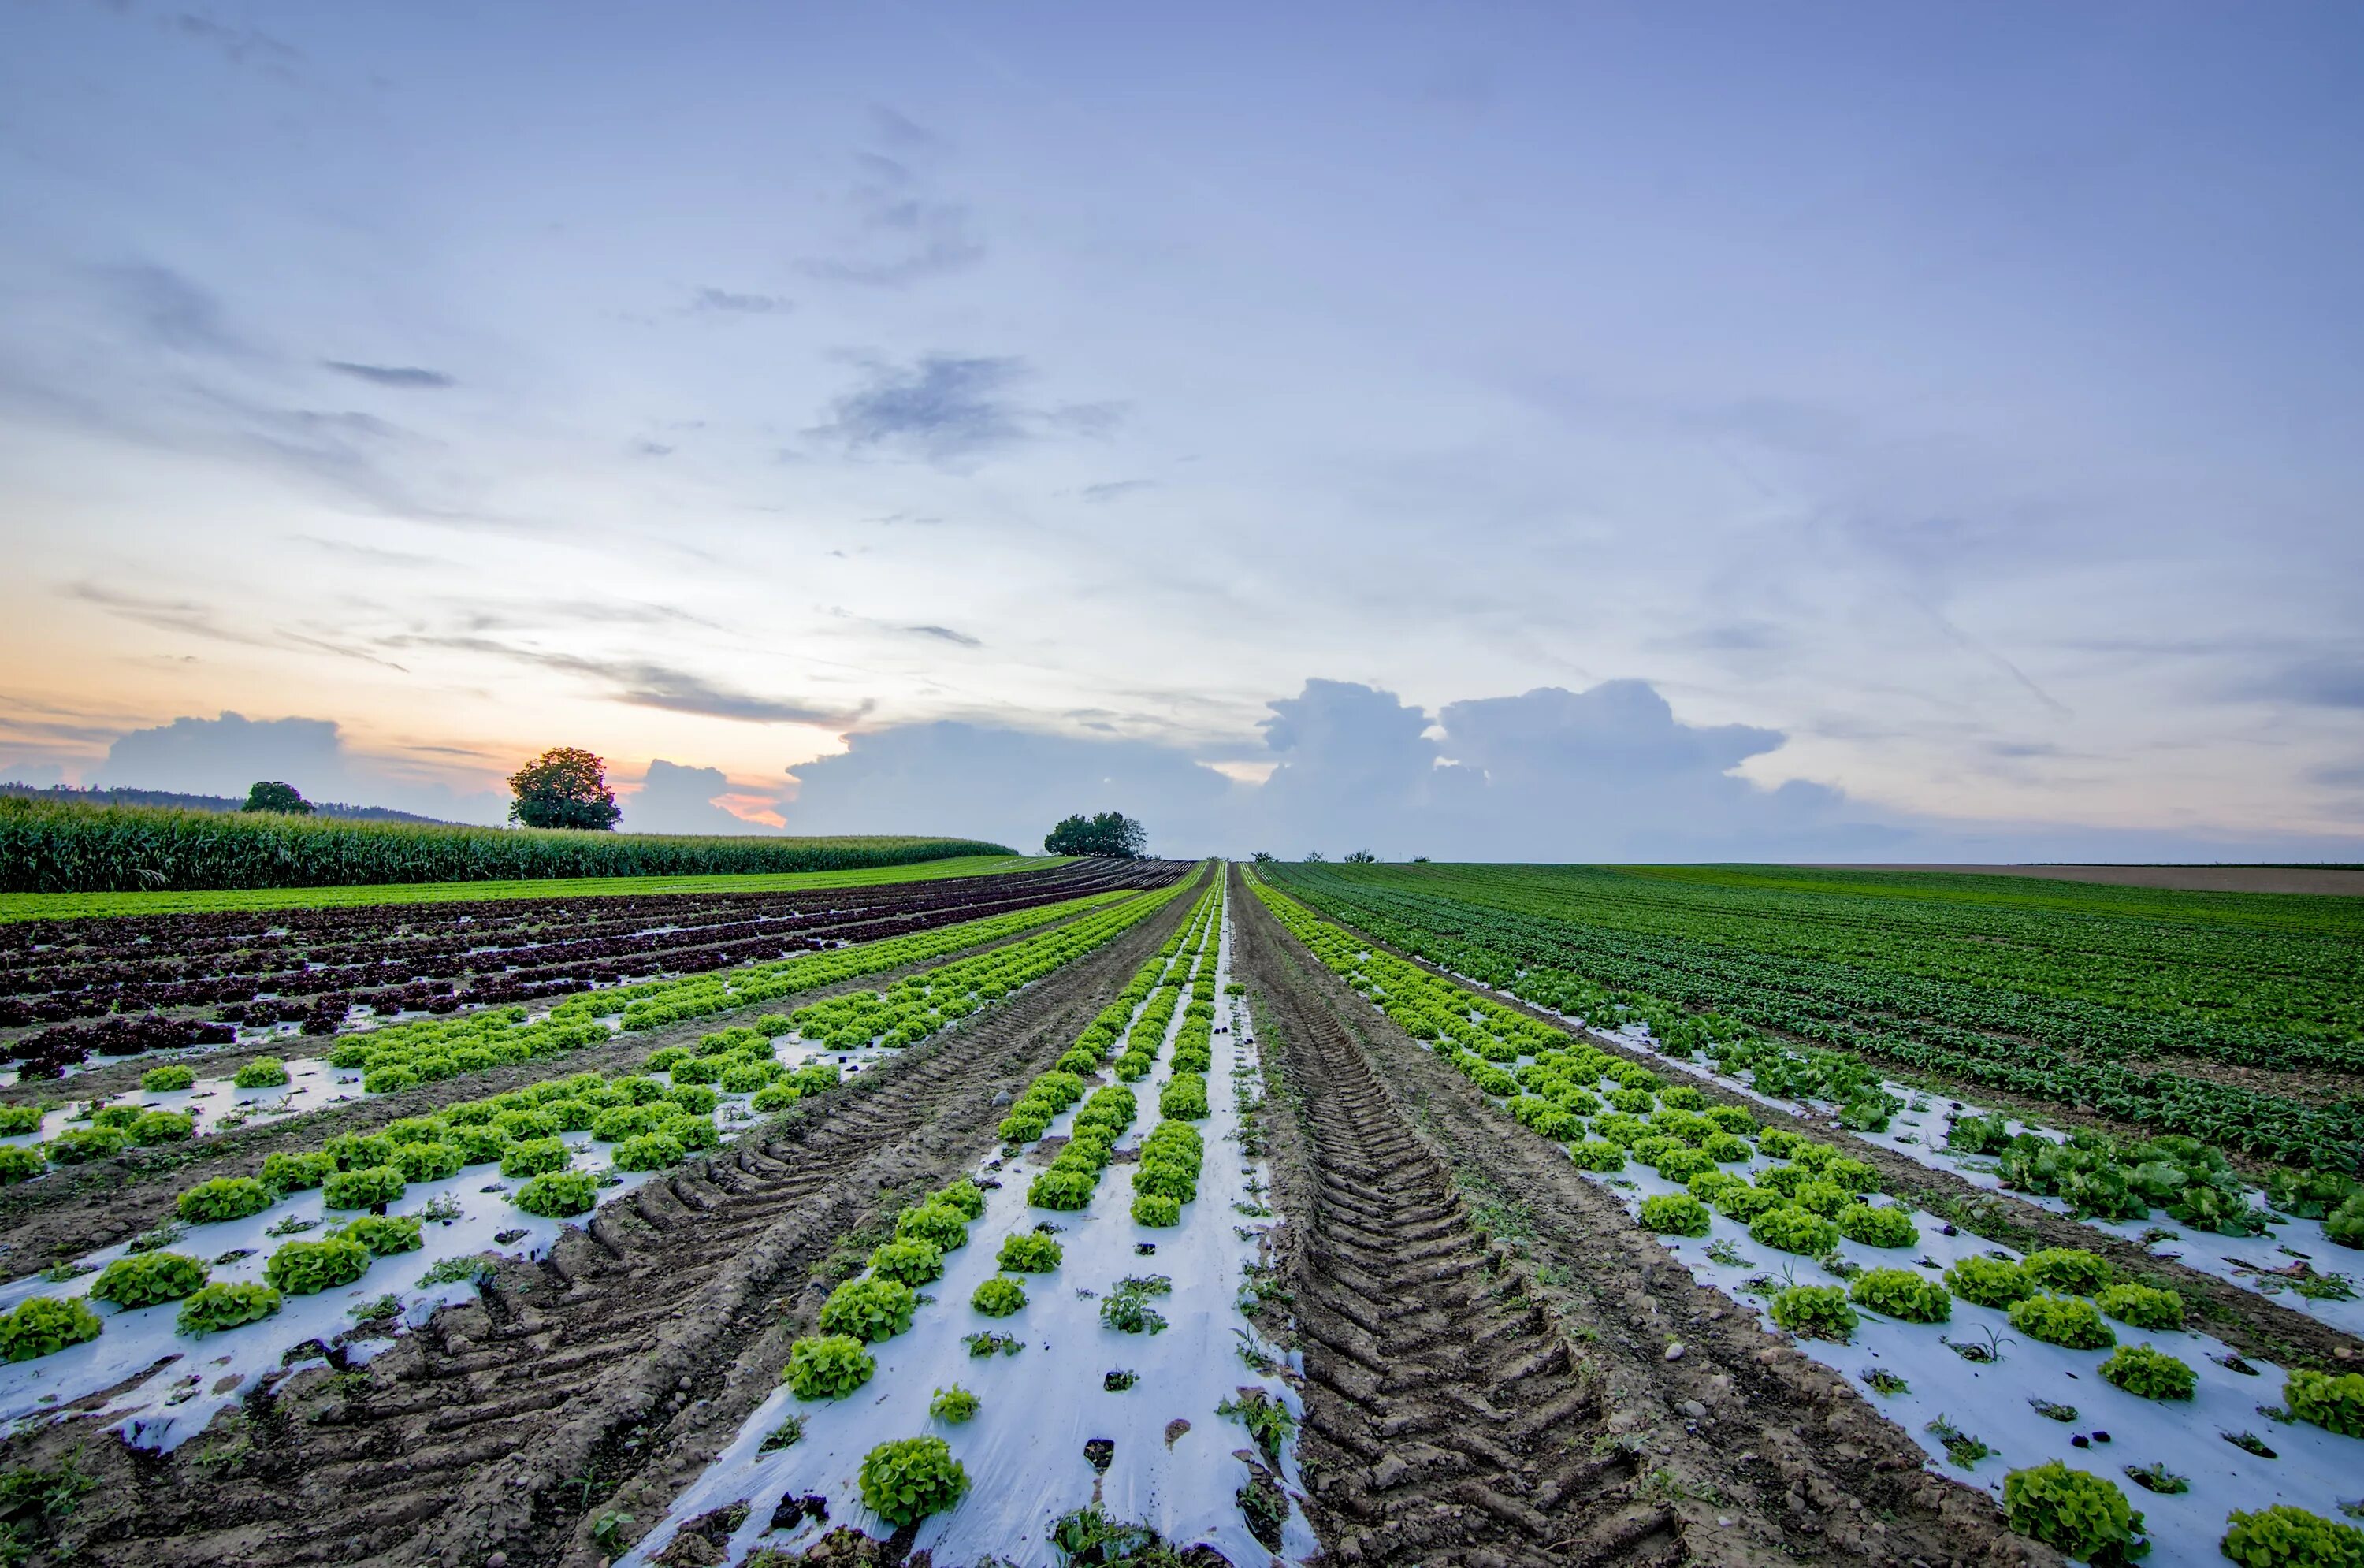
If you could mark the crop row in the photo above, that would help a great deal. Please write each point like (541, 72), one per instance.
(1607, 976)
(403, 1056)
(54, 847)
(908, 1479)
(1804, 1200)
(317, 970)
(651, 1125)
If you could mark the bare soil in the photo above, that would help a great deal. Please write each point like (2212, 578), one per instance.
(1494, 1382)
(79, 1209)
(599, 1381)
(2251, 1323)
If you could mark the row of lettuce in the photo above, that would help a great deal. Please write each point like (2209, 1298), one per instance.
(907, 1479)
(1608, 1111)
(406, 1055)
(2099, 1175)
(649, 1125)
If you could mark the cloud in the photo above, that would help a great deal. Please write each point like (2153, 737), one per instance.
(902, 235)
(642, 683)
(941, 406)
(2330, 681)
(723, 301)
(678, 798)
(946, 634)
(1115, 489)
(391, 376)
(1607, 773)
(226, 754)
(190, 618)
(1004, 785)
(170, 309)
(239, 46)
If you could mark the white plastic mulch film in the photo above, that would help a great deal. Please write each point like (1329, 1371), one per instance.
(163, 1387)
(2030, 1402)
(1176, 1465)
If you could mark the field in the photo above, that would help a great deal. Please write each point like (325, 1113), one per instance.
(1133, 1212)
(58, 847)
(73, 906)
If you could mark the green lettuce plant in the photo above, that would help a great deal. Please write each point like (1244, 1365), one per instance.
(223, 1198)
(1027, 1252)
(1990, 1282)
(826, 1366)
(160, 1081)
(2148, 1373)
(940, 1225)
(307, 1268)
(1901, 1293)
(2070, 1271)
(1675, 1214)
(2082, 1515)
(44, 1325)
(364, 1188)
(911, 1479)
(214, 1307)
(649, 1151)
(2285, 1536)
(261, 1073)
(559, 1194)
(907, 1262)
(998, 1296)
(1885, 1226)
(1817, 1311)
(1794, 1229)
(953, 1405)
(2062, 1320)
(385, 1234)
(2335, 1403)
(145, 1279)
(293, 1173)
(2141, 1305)
(868, 1308)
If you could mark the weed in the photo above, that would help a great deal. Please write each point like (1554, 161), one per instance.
(787, 1434)
(1960, 1446)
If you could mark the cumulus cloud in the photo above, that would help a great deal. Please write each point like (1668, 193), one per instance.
(1005, 785)
(224, 755)
(679, 798)
(941, 406)
(1608, 773)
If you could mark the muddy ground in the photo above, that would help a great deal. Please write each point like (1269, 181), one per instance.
(602, 1379)
(82, 1207)
(1497, 1379)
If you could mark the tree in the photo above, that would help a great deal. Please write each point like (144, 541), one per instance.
(267, 795)
(1110, 834)
(1361, 858)
(1314, 857)
(563, 787)
(1264, 857)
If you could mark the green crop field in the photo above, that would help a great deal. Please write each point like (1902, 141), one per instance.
(57, 847)
(70, 905)
(2235, 1018)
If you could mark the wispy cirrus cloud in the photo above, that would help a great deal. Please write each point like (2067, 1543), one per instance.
(710, 301)
(412, 377)
(645, 682)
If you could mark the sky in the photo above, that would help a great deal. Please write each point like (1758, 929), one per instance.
(1509, 431)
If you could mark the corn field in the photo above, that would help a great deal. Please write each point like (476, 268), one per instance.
(48, 847)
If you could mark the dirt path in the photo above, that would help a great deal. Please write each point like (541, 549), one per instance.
(1497, 1380)
(599, 1381)
(81, 1208)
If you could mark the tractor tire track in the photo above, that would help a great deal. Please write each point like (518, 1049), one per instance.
(618, 1365)
(1491, 1375)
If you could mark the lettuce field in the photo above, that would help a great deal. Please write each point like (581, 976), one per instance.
(1175, 1215)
